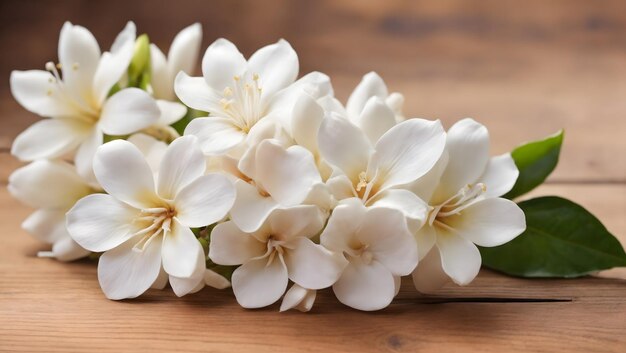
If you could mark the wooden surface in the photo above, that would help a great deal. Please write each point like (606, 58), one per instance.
(524, 69)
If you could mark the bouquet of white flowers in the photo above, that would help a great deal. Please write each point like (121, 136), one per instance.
(274, 183)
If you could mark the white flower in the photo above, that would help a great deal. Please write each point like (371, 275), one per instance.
(52, 187)
(379, 248)
(142, 226)
(77, 102)
(298, 298)
(278, 252)
(463, 191)
(375, 173)
(241, 94)
(182, 56)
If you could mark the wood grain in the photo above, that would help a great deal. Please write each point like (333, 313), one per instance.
(523, 70)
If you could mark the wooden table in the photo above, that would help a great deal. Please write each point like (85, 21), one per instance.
(525, 69)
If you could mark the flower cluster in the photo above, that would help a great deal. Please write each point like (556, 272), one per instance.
(275, 186)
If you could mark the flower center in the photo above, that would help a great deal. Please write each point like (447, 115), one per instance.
(242, 102)
(463, 199)
(59, 87)
(360, 251)
(275, 247)
(154, 222)
(366, 187)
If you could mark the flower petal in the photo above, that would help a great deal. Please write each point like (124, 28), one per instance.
(66, 249)
(500, 175)
(205, 201)
(286, 174)
(46, 225)
(195, 93)
(297, 221)
(171, 112)
(152, 149)
(79, 55)
(468, 154)
(298, 298)
(99, 222)
(389, 239)
(180, 251)
(407, 151)
(230, 246)
(50, 138)
(185, 49)
(126, 273)
(365, 287)
(343, 225)
(250, 209)
(414, 209)
(429, 275)
(490, 222)
(216, 135)
(370, 86)
(124, 173)
(258, 283)
(128, 111)
(375, 119)
(47, 184)
(426, 238)
(193, 283)
(84, 156)
(311, 265)
(306, 119)
(460, 258)
(277, 66)
(182, 163)
(161, 79)
(344, 146)
(425, 186)
(215, 280)
(37, 91)
(113, 65)
(222, 61)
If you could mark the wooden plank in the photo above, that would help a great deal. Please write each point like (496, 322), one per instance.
(58, 307)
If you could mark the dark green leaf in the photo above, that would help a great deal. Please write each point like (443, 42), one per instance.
(562, 239)
(535, 161)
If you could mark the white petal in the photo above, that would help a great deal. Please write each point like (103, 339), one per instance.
(126, 273)
(216, 135)
(50, 138)
(128, 111)
(306, 118)
(280, 104)
(205, 201)
(66, 249)
(185, 49)
(184, 286)
(128, 34)
(182, 163)
(37, 91)
(46, 225)
(425, 186)
(79, 55)
(113, 65)
(343, 225)
(365, 287)
(500, 175)
(84, 156)
(276, 64)
(341, 187)
(460, 258)
(47, 184)
(152, 149)
(231, 246)
(413, 208)
(99, 222)
(161, 280)
(426, 238)
(171, 112)
(344, 146)
(468, 151)
(296, 221)
(311, 265)
(161, 80)
(298, 298)
(429, 275)
(490, 222)
(389, 239)
(250, 209)
(407, 151)
(375, 119)
(287, 174)
(222, 61)
(257, 284)
(215, 280)
(180, 250)
(124, 173)
(370, 86)
(195, 93)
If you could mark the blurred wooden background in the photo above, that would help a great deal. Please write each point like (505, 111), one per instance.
(523, 68)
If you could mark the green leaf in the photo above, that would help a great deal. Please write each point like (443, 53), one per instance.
(562, 239)
(535, 161)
